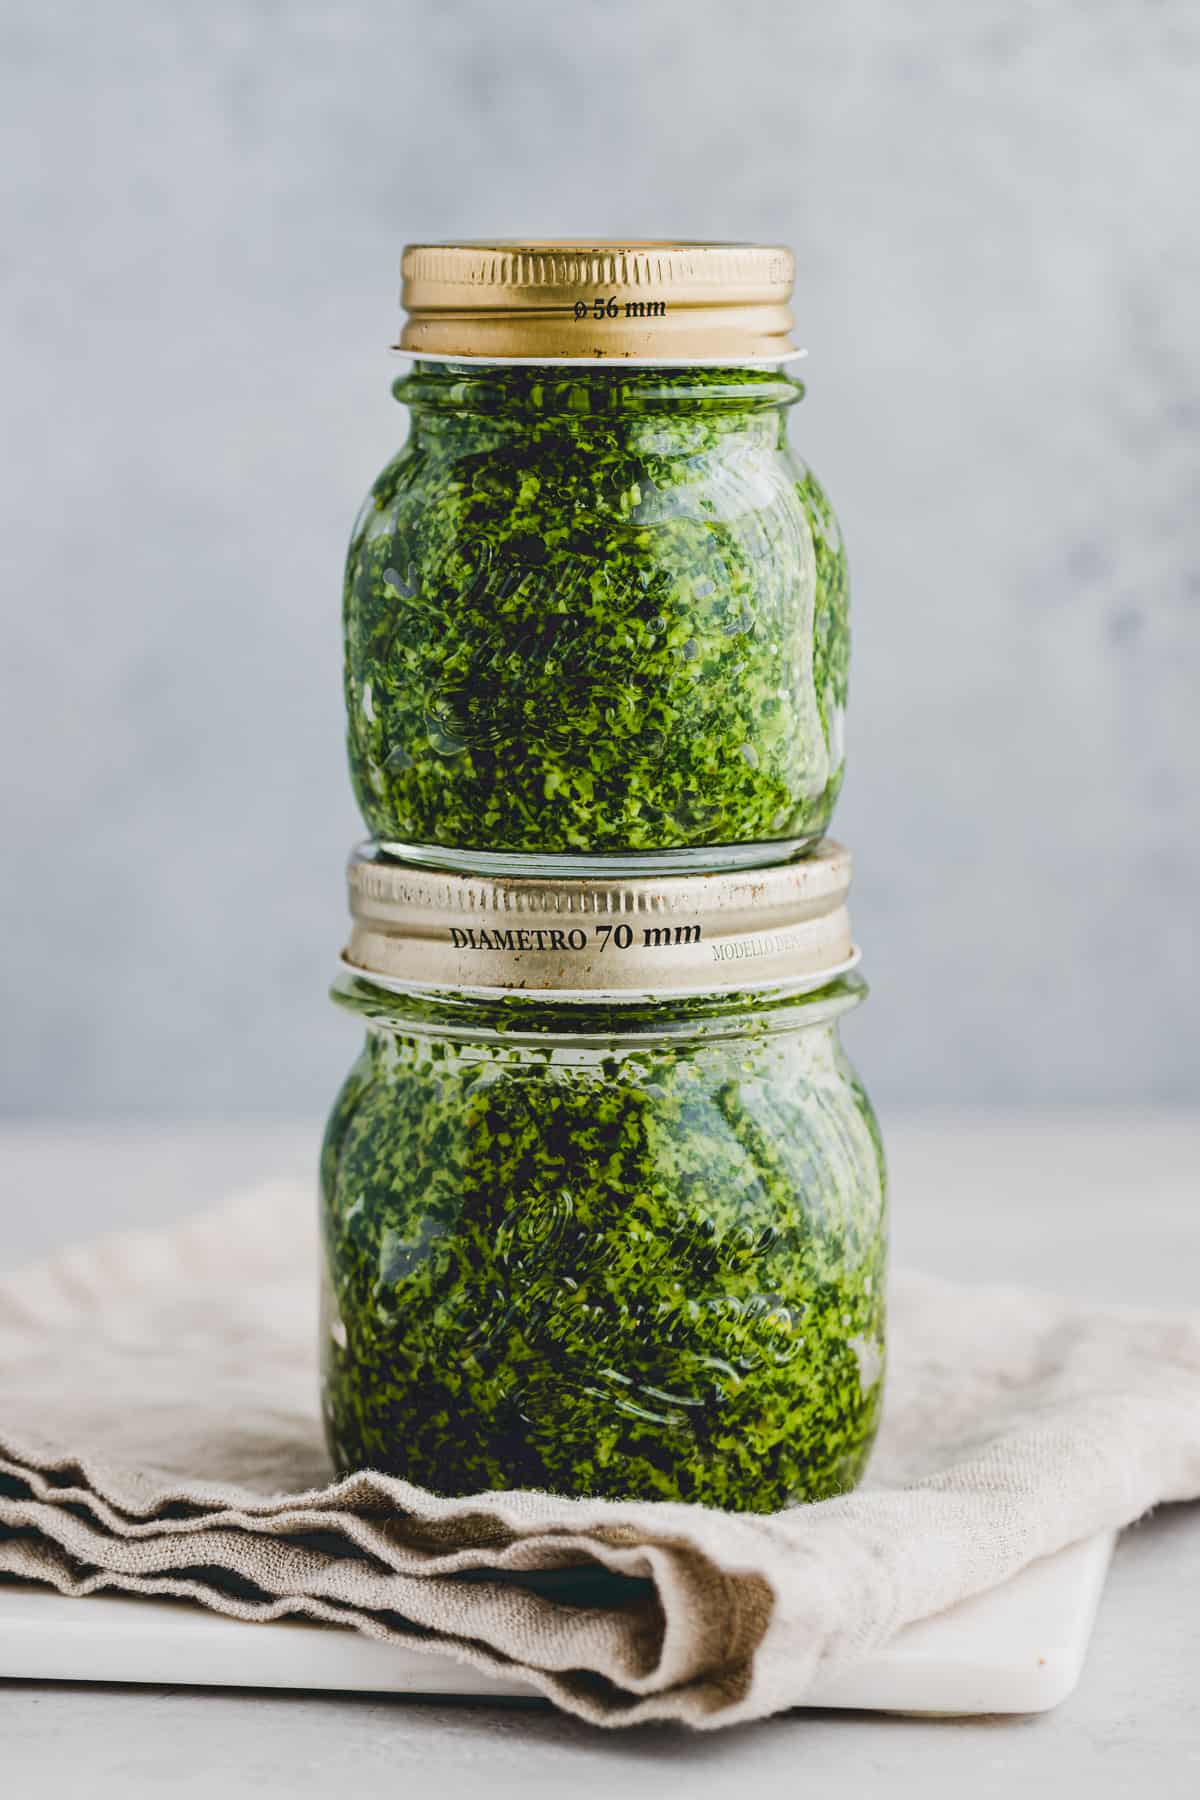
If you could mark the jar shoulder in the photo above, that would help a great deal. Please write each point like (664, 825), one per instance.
(793, 1112)
(615, 473)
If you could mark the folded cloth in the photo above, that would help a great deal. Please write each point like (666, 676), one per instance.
(159, 1434)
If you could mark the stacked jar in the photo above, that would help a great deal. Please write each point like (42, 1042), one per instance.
(603, 1199)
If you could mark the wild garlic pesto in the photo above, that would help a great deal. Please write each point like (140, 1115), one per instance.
(603, 1201)
(596, 612)
(630, 1250)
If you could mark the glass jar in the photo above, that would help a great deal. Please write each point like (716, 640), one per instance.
(596, 1241)
(596, 607)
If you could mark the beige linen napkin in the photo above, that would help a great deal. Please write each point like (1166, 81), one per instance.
(159, 1433)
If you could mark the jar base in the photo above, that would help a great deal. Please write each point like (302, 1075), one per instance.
(703, 859)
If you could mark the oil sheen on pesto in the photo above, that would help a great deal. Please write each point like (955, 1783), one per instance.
(635, 1257)
(596, 610)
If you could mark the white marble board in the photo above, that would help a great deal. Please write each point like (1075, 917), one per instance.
(1017, 1649)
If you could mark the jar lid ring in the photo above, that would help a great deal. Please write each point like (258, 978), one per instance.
(422, 928)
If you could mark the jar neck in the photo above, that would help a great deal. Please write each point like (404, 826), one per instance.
(549, 391)
(518, 1018)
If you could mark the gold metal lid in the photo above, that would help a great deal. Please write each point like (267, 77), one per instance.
(554, 301)
(782, 926)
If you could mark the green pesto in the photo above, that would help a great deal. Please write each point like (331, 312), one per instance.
(597, 611)
(625, 1252)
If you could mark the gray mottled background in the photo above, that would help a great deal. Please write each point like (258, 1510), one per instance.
(995, 213)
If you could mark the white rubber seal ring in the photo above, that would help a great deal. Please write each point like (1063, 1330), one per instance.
(802, 984)
(603, 362)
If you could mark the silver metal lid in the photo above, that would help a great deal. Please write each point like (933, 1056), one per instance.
(782, 926)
